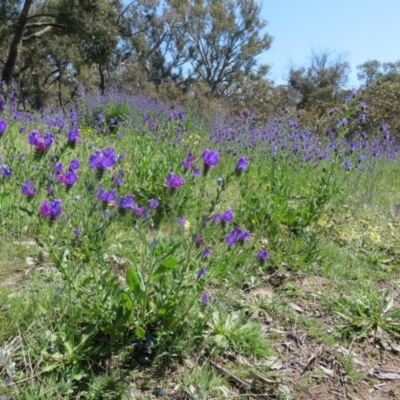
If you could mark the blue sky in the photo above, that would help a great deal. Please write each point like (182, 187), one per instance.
(361, 29)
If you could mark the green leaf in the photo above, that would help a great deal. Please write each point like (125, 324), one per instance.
(134, 283)
(140, 333)
(127, 301)
(168, 265)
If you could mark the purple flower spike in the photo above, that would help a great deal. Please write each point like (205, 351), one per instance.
(242, 164)
(101, 160)
(217, 218)
(36, 140)
(199, 240)
(52, 209)
(70, 178)
(262, 255)
(74, 165)
(205, 298)
(227, 216)
(59, 167)
(73, 136)
(126, 202)
(206, 253)
(6, 171)
(27, 189)
(210, 158)
(201, 273)
(174, 181)
(108, 198)
(3, 126)
(153, 204)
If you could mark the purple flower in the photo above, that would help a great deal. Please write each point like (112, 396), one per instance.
(196, 173)
(397, 205)
(199, 240)
(231, 239)
(103, 159)
(27, 189)
(205, 298)
(242, 164)
(237, 235)
(227, 216)
(59, 167)
(126, 202)
(6, 171)
(76, 232)
(188, 162)
(262, 255)
(108, 198)
(210, 158)
(174, 181)
(181, 221)
(36, 140)
(3, 126)
(217, 218)
(117, 180)
(153, 204)
(51, 209)
(70, 178)
(206, 252)
(201, 273)
(73, 136)
(74, 165)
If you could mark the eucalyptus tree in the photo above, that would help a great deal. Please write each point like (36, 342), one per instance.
(220, 39)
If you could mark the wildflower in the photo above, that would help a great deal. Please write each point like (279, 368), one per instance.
(199, 240)
(73, 136)
(201, 273)
(205, 298)
(397, 205)
(76, 232)
(103, 159)
(227, 216)
(196, 173)
(51, 209)
(74, 165)
(6, 171)
(126, 202)
(153, 204)
(58, 167)
(217, 218)
(262, 255)
(108, 198)
(237, 235)
(40, 143)
(3, 126)
(219, 181)
(117, 181)
(206, 253)
(210, 158)
(242, 164)
(27, 189)
(174, 181)
(363, 105)
(69, 179)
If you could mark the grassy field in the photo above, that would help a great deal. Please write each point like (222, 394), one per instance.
(148, 252)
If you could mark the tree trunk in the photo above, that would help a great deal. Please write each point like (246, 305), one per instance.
(16, 43)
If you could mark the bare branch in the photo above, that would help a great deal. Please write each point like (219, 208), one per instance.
(37, 34)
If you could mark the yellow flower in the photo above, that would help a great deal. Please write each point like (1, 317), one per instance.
(187, 226)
